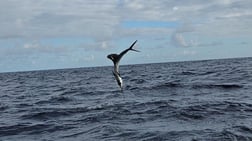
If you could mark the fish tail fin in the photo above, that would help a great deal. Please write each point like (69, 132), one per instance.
(135, 50)
(131, 47)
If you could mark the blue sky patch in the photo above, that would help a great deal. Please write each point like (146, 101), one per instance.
(150, 24)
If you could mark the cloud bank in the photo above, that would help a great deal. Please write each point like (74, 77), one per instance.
(102, 19)
(97, 27)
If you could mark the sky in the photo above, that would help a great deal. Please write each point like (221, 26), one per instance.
(56, 34)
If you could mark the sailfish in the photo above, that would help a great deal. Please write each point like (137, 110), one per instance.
(116, 59)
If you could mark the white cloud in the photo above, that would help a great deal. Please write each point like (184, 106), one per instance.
(101, 19)
(57, 18)
(31, 45)
(177, 38)
(104, 45)
(175, 8)
(98, 45)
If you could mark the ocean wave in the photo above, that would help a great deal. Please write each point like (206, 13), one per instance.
(167, 85)
(157, 104)
(208, 110)
(101, 132)
(201, 135)
(60, 99)
(130, 87)
(196, 85)
(197, 112)
(138, 81)
(42, 114)
(20, 128)
(30, 129)
(55, 100)
(45, 115)
(3, 107)
(217, 86)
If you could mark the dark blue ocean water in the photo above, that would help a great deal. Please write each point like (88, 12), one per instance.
(185, 101)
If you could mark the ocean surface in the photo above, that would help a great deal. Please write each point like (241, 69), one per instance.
(183, 101)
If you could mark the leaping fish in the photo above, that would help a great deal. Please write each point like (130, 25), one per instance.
(116, 59)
